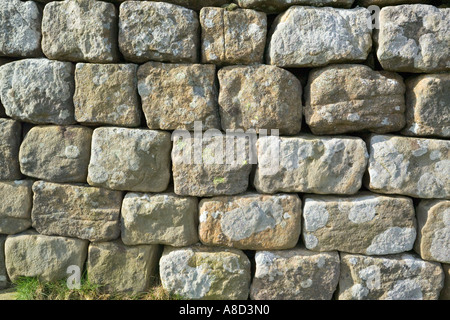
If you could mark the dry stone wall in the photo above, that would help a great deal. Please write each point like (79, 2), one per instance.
(262, 149)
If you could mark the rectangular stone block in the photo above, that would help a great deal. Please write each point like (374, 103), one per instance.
(10, 137)
(295, 274)
(15, 206)
(366, 223)
(56, 153)
(410, 166)
(175, 95)
(277, 6)
(159, 219)
(310, 164)
(251, 221)
(76, 211)
(311, 37)
(106, 94)
(393, 277)
(349, 98)
(3, 274)
(130, 159)
(233, 37)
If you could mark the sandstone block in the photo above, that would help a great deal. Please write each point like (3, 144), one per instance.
(15, 206)
(10, 136)
(277, 6)
(3, 273)
(445, 293)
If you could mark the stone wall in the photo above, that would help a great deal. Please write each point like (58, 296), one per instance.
(114, 158)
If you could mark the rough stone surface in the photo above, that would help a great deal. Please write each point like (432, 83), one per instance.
(10, 135)
(76, 211)
(393, 277)
(414, 38)
(56, 153)
(30, 254)
(428, 105)
(310, 164)
(348, 98)
(260, 97)
(130, 159)
(3, 274)
(201, 168)
(175, 95)
(445, 293)
(200, 272)
(251, 221)
(20, 29)
(309, 37)
(277, 6)
(80, 30)
(15, 206)
(106, 94)
(411, 166)
(296, 274)
(120, 268)
(158, 31)
(433, 241)
(233, 37)
(38, 91)
(365, 223)
(159, 219)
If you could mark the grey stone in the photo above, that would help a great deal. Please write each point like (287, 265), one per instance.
(3, 274)
(15, 206)
(10, 136)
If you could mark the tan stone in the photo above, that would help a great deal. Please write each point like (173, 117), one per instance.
(15, 206)
(10, 136)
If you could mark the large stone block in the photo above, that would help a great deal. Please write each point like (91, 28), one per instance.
(10, 136)
(48, 258)
(116, 267)
(366, 223)
(295, 274)
(233, 37)
(200, 272)
(76, 211)
(348, 98)
(106, 94)
(3, 274)
(411, 166)
(277, 6)
(414, 38)
(159, 219)
(56, 153)
(175, 95)
(251, 221)
(38, 91)
(393, 277)
(260, 97)
(130, 159)
(80, 30)
(15, 206)
(158, 31)
(310, 37)
(310, 164)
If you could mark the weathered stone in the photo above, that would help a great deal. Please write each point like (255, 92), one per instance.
(175, 95)
(3, 274)
(10, 135)
(30, 254)
(411, 166)
(365, 223)
(80, 30)
(120, 268)
(15, 206)
(251, 221)
(202, 167)
(200, 272)
(76, 211)
(56, 153)
(445, 293)
(393, 277)
(159, 219)
(433, 241)
(414, 38)
(277, 6)
(428, 105)
(158, 31)
(233, 37)
(38, 91)
(348, 98)
(260, 97)
(106, 94)
(20, 29)
(309, 37)
(310, 164)
(130, 159)
(296, 274)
